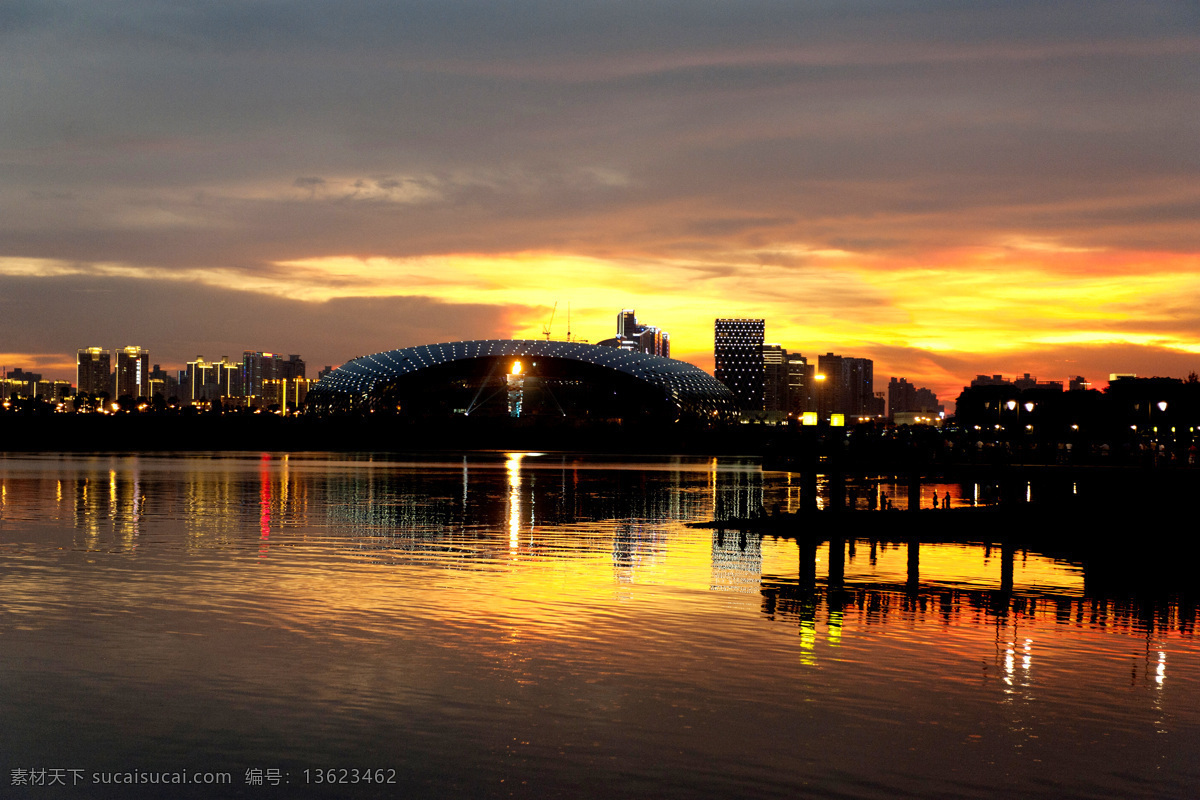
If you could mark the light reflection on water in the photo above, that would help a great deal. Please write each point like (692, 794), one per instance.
(547, 625)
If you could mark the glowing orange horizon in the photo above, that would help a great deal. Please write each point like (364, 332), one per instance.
(936, 319)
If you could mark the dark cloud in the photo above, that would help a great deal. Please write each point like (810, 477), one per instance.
(177, 321)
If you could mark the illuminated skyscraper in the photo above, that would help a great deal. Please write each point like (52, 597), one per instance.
(133, 372)
(286, 393)
(258, 367)
(20, 382)
(211, 380)
(54, 391)
(638, 338)
(200, 380)
(627, 323)
(93, 371)
(738, 357)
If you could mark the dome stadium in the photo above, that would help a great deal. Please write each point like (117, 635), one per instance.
(523, 378)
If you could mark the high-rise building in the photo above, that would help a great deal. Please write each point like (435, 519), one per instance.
(775, 378)
(831, 386)
(200, 380)
(258, 367)
(20, 383)
(738, 357)
(163, 383)
(627, 323)
(133, 372)
(800, 384)
(53, 391)
(905, 398)
(846, 386)
(211, 380)
(639, 338)
(229, 377)
(859, 375)
(93, 371)
(286, 393)
(292, 369)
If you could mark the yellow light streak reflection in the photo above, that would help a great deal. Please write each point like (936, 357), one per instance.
(513, 466)
(834, 633)
(808, 642)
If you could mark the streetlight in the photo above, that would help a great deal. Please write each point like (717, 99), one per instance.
(1162, 408)
(1013, 405)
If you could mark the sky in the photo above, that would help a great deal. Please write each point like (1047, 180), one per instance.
(948, 188)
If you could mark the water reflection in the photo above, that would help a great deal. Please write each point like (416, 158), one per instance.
(340, 604)
(547, 506)
(513, 467)
(637, 548)
(736, 561)
(563, 507)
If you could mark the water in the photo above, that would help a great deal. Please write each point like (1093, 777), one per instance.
(547, 626)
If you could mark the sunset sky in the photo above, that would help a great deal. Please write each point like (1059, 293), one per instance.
(949, 188)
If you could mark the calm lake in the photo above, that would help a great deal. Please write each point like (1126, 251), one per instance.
(541, 625)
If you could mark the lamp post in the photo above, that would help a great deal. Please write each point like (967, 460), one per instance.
(1011, 405)
(1162, 409)
(1027, 406)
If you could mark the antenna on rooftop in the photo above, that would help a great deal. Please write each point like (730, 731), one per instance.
(546, 327)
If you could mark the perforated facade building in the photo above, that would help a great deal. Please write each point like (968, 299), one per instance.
(738, 358)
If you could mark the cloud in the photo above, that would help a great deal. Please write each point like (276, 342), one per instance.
(177, 321)
(933, 183)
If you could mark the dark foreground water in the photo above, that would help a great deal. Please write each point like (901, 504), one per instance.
(546, 626)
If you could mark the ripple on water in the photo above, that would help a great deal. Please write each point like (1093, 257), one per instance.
(551, 624)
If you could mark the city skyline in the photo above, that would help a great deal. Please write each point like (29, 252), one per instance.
(770, 353)
(993, 189)
(776, 362)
